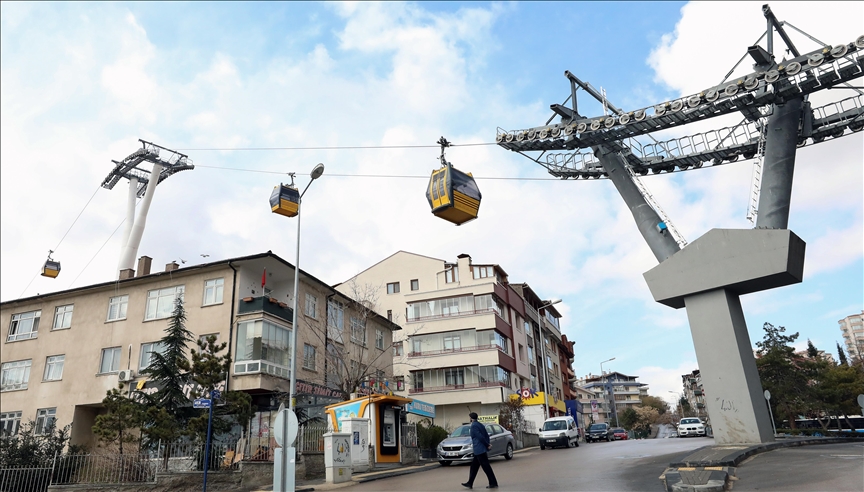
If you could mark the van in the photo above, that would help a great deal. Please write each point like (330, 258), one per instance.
(559, 431)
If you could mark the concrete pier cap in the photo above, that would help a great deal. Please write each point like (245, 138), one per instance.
(741, 261)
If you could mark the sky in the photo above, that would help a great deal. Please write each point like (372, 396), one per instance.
(239, 87)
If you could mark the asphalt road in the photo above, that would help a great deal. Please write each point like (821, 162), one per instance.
(820, 468)
(613, 466)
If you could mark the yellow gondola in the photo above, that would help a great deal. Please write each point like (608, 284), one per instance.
(285, 200)
(452, 194)
(51, 268)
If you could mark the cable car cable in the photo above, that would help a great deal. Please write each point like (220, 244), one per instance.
(349, 147)
(376, 175)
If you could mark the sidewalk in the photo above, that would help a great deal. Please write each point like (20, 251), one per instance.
(711, 468)
(320, 484)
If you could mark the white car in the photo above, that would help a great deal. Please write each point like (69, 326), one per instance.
(691, 427)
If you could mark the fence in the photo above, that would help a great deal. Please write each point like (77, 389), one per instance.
(25, 479)
(409, 435)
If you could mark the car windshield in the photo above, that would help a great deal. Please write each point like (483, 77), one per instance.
(691, 421)
(597, 427)
(618, 431)
(554, 425)
(462, 431)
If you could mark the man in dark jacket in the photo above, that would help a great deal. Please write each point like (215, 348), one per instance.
(481, 445)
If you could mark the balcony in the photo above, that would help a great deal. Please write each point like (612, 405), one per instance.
(700, 405)
(475, 348)
(267, 305)
(697, 392)
(460, 314)
(454, 387)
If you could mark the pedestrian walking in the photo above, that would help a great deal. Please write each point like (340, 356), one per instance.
(481, 445)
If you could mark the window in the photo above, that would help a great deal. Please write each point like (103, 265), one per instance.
(263, 347)
(397, 349)
(24, 326)
(62, 317)
(483, 271)
(160, 303)
(54, 368)
(521, 353)
(358, 331)
(117, 308)
(110, 361)
(451, 274)
(335, 321)
(9, 423)
(379, 338)
(15, 375)
(311, 306)
(452, 342)
(203, 338)
(393, 288)
(454, 376)
(415, 284)
(308, 357)
(147, 351)
(548, 362)
(212, 291)
(355, 368)
(44, 420)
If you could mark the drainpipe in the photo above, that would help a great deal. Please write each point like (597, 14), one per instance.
(231, 327)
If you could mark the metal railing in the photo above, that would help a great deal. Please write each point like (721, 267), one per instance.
(409, 435)
(25, 479)
(310, 437)
(449, 387)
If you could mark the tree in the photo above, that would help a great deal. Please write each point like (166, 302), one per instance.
(511, 415)
(686, 409)
(784, 373)
(628, 418)
(30, 453)
(656, 402)
(841, 355)
(208, 371)
(811, 350)
(168, 410)
(837, 391)
(121, 422)
(646, 417)
(430, 435)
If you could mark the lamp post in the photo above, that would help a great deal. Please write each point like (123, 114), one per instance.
(317, 171)
(678, 404)
(611, 401)
(543, 354)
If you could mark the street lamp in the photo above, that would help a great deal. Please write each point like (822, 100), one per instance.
(287, 484)
(611, 401)
(543, 353)
(678, 404)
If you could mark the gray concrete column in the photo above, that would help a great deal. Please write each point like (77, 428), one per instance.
(778, 165)
(662, 244)
(733, 391)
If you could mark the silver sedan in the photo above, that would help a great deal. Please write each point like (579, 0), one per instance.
(457, 447)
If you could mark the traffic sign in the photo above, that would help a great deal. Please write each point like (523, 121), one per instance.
(201, 403)
(292, 427)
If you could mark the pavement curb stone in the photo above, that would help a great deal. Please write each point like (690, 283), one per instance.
(709, 469)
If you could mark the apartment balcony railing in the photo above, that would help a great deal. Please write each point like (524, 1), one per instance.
(453, 315)
(473, 348)
(452, 387)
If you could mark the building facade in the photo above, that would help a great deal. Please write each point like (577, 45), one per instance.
(614, 392)
(852, 328)
(694, 394)
(467, 343)
(63, 351)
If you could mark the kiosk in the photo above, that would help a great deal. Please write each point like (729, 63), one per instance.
(385, 416)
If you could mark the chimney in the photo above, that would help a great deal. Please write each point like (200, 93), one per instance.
(126, 273)
(170, 267)
(144, 265)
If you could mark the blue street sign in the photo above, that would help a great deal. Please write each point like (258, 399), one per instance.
(201, 403)
(215, 394)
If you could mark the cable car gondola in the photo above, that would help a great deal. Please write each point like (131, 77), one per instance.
(51, 268)
(285, 199)
(452, 194)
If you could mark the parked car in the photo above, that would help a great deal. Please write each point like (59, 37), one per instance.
(619, 434)
(457, 446)
(599, 432)
(691, 427)
(559, 431)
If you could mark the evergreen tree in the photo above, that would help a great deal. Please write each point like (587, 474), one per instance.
(120, 424)
(811, 350)
(169, 409)
(208, 371)
(841, 355)
(784, 373)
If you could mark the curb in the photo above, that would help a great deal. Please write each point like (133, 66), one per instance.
(735, 458)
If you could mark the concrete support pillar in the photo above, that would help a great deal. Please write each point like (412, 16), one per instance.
(778, 166)
(662, 244)
(707, 277)
(733, 391)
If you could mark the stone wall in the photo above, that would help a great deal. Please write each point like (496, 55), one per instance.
(410, 455)
(313, 466)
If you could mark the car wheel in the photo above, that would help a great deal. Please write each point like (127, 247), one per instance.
(444, 463)
(508, 455)
(577, 443)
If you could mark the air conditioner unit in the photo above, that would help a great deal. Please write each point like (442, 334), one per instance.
(127, 375)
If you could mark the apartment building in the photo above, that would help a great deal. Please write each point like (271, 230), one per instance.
(694, 394)
(98, 336)
(467, 343)
(624, 390)
(852, 327)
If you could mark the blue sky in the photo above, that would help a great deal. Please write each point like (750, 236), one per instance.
(81, 82)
